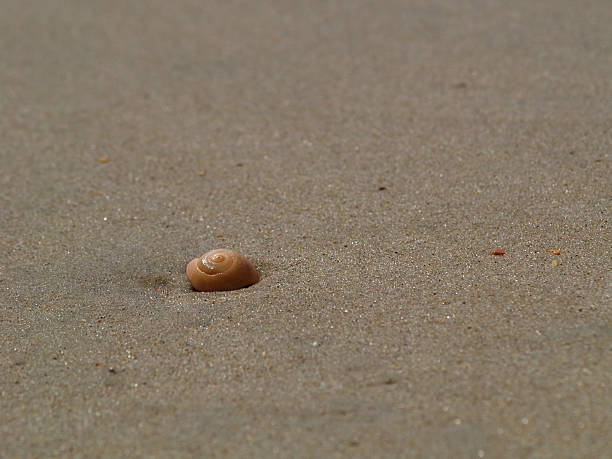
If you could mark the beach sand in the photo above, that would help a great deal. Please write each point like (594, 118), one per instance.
(367, 157)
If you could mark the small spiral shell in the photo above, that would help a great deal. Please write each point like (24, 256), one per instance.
(221, 269)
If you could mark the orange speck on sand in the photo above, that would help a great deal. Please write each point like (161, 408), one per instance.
(104, 159)
(497, 252)
(556, 252)
(201, 173)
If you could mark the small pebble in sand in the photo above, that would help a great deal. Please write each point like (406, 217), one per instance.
(104, 159)
(221, 269)
(556, 252)
(497, 251)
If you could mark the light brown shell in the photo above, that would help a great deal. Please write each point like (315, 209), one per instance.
(221, 269)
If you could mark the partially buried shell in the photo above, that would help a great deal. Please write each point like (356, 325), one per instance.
(221, 269)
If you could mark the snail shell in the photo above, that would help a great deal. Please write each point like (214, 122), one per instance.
(221, 269)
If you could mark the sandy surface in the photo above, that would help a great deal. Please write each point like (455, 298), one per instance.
(367, 156)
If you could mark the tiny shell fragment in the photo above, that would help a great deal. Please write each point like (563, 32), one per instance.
(556, 252)
(497, 252)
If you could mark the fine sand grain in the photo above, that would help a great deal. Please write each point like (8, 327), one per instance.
(368, 157)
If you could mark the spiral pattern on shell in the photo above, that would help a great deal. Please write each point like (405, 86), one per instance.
(221, 269)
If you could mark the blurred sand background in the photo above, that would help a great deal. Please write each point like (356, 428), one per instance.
(367, 156)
